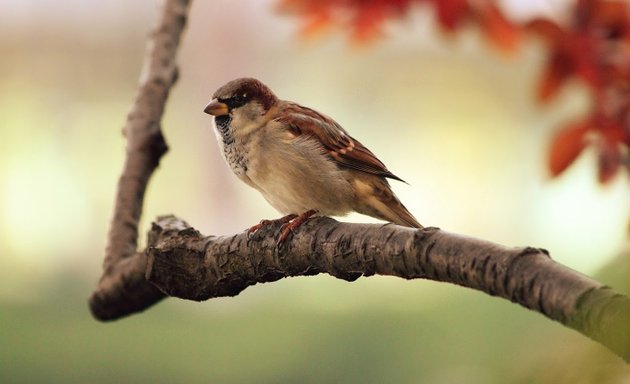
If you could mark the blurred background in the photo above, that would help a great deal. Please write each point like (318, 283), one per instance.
(452, 116)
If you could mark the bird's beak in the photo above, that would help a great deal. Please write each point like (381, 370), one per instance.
(216, 108)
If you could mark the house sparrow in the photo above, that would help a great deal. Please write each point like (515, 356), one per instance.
(302, 161)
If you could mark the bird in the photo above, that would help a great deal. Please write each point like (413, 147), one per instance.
(301, 161)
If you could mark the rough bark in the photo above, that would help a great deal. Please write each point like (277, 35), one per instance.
(123, 280)
(185, 264)
(181, 262)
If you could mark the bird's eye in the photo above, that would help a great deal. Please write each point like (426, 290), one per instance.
(237, 100)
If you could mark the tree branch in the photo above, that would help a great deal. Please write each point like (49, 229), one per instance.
(122, 288)
(185, 264)
(180, 262)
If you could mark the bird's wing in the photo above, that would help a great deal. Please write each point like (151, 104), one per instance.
(344, 149)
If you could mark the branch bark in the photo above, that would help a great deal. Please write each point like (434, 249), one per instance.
(185, 264)
(122, 285)
(181, 262)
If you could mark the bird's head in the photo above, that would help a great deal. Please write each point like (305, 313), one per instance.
(240, 104)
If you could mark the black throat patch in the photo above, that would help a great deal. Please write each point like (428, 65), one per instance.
(223, 126)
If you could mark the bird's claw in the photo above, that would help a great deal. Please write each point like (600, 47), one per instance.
(291, 225)
(285, 231)
(251, 232)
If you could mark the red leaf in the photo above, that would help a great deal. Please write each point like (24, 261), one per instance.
(315, 23)
(558, 70)
(368, 21)
(611, 15)
(587, 61)
(561, 62)
(316, 15)
(498, 29)
(546, 29)
(451, 13)
(566, 146)
(609, 161)
(613, 136)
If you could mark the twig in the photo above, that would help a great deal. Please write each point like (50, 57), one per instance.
(122, 286)
(181, 262)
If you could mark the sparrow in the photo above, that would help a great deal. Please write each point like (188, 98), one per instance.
(300, 160)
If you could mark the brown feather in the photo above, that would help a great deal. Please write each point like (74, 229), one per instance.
(343, 148)
(376, 199)
(300, 159)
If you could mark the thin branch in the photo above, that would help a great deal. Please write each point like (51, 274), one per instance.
(123, 284)
(185, 264)
(181, 262)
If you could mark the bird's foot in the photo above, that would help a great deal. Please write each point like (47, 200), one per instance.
(292, 224)
(263, 223)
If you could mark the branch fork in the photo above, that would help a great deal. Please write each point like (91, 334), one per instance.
(179, 261)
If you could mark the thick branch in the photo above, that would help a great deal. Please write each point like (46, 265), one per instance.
(185, 264)
(121, 285)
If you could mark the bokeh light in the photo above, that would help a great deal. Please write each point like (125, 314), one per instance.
(456, 120)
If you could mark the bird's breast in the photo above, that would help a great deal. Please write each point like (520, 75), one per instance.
(235, 152)
(236, 159)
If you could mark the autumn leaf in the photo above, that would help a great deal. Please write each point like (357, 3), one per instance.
(561, 61)
(497, 28)
(591, 44)
(315, 24)
(451, 13)
(608, 161)
(368, 22)
(566, 146)
(612, 136)
(559, 69)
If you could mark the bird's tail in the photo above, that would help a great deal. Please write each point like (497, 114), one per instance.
(401, 216)
(382, 203)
